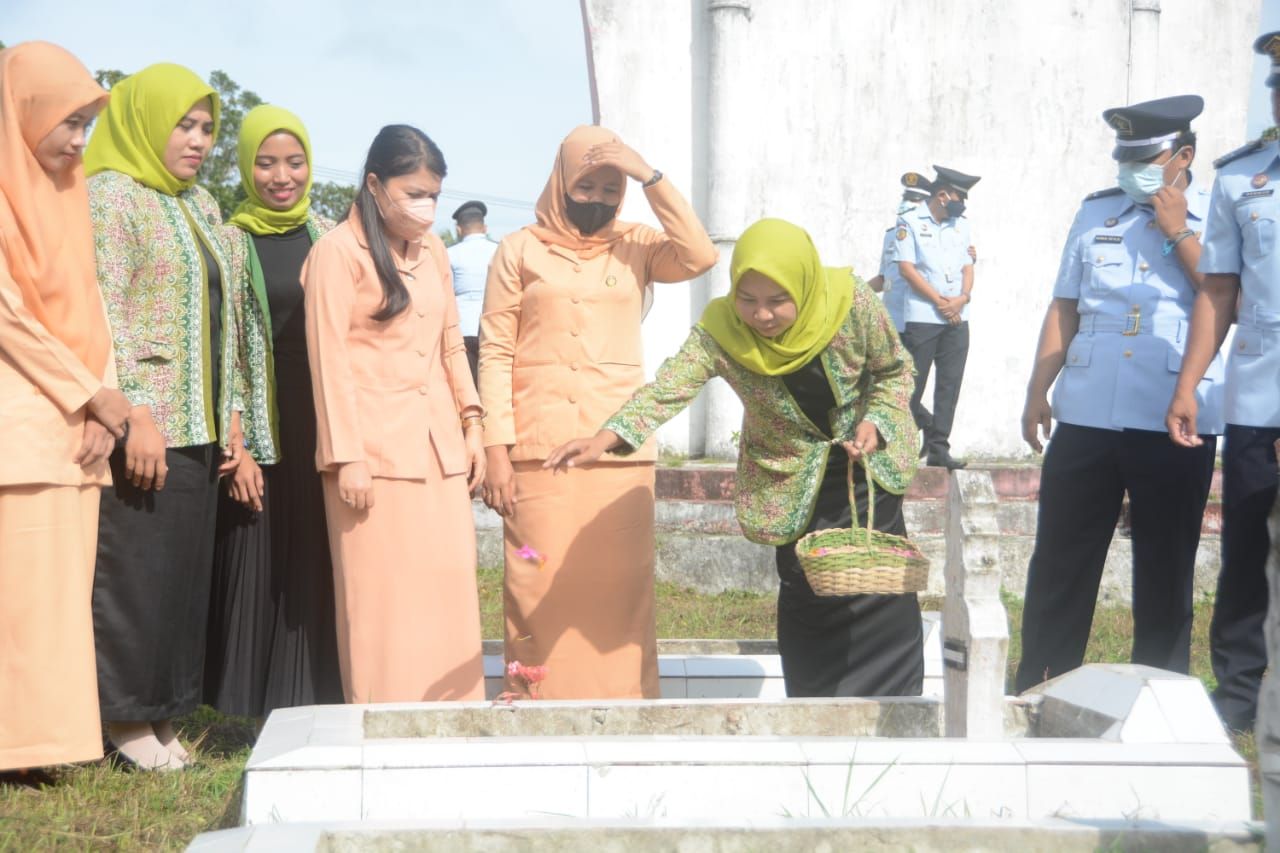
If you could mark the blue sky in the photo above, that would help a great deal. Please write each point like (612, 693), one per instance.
(496, 83)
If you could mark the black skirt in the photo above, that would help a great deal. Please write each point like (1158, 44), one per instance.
(856, 645)
(272, 640)
(151, 587)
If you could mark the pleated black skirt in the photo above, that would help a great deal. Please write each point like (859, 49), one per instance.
(857, 645)
(151, 587)
(272, 630)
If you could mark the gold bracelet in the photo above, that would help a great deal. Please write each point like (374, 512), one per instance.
(470, 420)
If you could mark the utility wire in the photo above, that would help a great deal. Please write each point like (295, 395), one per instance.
(351, 178)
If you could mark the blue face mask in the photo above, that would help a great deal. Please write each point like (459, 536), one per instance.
(1140, 181)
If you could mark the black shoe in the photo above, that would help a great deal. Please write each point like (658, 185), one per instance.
(945, 460)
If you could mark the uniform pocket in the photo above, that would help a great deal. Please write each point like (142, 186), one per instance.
(1106, 269)
(1259, 236)
(1080, 353)
(1247, 342)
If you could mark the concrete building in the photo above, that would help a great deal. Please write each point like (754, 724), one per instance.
(811, 109)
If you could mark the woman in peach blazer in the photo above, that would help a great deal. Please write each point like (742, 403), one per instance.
(59, 409)
(398, 435)
(560, 351)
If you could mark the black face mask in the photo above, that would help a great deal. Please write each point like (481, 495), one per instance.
(955, 208)
(589, 216)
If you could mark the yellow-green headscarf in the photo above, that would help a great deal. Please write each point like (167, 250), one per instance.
(823, 296)
(135, 127)
(253, 214)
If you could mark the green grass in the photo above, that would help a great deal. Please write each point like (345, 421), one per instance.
(98, 807)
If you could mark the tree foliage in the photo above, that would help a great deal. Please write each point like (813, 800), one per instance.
(332, 200)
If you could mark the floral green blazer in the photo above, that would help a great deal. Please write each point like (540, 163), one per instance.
(155, 287)
(782, 455)
(255, 374)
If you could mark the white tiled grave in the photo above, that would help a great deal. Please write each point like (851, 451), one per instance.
(737, 759)
(546, 834)
(729, 669)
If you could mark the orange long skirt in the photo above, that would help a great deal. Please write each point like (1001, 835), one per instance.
(405, 588)
(583, 607)
(48, 672)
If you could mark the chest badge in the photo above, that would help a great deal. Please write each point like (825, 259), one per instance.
(610, 281)
(901, 234)
(1259, 180)
(1111, 222)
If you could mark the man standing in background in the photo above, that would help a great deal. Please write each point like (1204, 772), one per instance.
(469, 258)
(932, 252)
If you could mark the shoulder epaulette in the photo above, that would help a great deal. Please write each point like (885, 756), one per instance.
(1109, 191)
(1242, 151)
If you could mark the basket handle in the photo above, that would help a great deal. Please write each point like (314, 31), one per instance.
(853, 503)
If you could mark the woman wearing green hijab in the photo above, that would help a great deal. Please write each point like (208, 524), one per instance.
(272, 640)
(813, 356)
(162, 274)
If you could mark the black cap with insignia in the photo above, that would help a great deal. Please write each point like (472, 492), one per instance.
(1268, 44)
(917, 186)
(951, 178)
(471, 210)
(1144, 130)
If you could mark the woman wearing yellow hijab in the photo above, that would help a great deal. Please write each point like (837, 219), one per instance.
(59, 410)
(163, 277)
(272, 640)
(813, 356)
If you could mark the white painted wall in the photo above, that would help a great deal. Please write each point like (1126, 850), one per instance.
(834, 99)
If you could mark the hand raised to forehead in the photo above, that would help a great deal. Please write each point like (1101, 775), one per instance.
(621, 155)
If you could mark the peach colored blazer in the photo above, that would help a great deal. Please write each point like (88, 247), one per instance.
(43, 391)
(386, 393)
(560, 346)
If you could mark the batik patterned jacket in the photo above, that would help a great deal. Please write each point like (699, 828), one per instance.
(154, 283)
(255, 375)
(782, 455)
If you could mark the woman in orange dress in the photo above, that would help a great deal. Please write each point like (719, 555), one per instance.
(560, 351)
(59, 409)
(398, 429)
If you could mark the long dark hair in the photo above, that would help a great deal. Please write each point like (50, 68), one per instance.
(398, 149)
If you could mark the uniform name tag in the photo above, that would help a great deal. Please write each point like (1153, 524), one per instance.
(1258, 193)
(1108, 238)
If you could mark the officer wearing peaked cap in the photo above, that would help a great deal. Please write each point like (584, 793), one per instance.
(931, 249)
(469, 260)
(1241, 264)
(1110, 345)
(892, 286)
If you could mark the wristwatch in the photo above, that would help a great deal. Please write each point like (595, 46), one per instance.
(657, 176)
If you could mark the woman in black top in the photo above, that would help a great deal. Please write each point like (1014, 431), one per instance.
(271, 627)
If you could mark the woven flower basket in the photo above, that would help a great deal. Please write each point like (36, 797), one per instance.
(858, 562)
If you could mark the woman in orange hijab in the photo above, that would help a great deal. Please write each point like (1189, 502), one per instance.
(560, 351)
(59, 411)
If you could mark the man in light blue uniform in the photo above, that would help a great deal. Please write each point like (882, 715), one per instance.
(469, 258)
(931, 248)
(894, 288)
(1242, 267)
(1113, 339)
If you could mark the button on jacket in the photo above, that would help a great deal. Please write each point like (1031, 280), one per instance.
(1240, 238)
(387, 393)
(560, 335)
(1135, 314)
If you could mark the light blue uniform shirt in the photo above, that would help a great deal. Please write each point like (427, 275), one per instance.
(469, 258)
(1240, 238)
(1135, 314)
(895, 290)
(940, 251)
